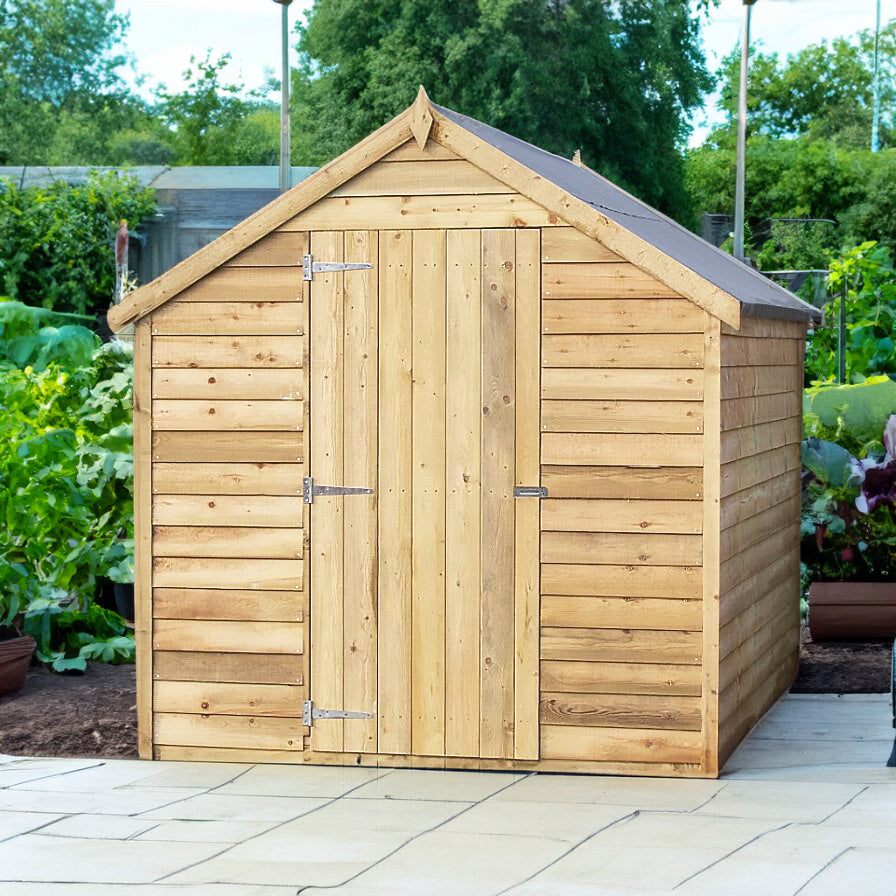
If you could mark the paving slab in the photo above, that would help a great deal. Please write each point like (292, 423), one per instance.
(426, 784)
(311, 781)
(869, 872)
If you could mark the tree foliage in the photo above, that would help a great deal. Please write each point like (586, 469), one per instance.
(808, 151)
(617, 81)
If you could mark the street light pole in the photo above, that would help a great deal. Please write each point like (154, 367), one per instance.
(285, 161)
(741, 136)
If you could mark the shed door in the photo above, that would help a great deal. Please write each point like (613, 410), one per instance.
(424, 596)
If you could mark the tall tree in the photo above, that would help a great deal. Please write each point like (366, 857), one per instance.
(59, 65)
(617, 81)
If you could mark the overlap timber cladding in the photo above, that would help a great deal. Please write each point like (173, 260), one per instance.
(622, 456)
(228, 522)
(761, 415)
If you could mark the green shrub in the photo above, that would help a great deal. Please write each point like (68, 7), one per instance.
(66, 492)
(56, 242)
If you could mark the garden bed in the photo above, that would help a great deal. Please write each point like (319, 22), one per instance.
(96, 714)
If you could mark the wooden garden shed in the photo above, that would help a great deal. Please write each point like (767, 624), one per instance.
(569, 433)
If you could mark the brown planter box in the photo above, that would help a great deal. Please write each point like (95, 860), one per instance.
(15, 656)
(844, 610)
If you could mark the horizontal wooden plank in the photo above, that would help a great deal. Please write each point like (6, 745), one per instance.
(600, 280)
(214, 447)
(621, 316)
(223, 510)
(622, 385)
(594, 449)
(241, 732)
(750, 440)
(618, 645)
(227, 541)
(778, 599)
(685, 483)
(198, 414)
(227, 572)
(248, 284)
(203, 636)
(621, 548)
(228, 351)
(620, 744)
(775, 519)
(754, 501)
(741, 382)
(274, 250)
(228, 604)
(411, 152)
(229, 699)
(228, 319)
(415, 212)
(179, 664)
(639, 351)
(598, 515)
(744, 563)
(620, 678)
(767, 326)
(749, 411)
(413, 178)
(748, 472)
(611, 416)
(620, 711)
(569, 244)
(271, 383)
(762, 351)
(625, 611)
(746, 595)
(622, 581)
(227, 479)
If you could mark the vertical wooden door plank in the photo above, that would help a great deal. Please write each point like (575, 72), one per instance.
(462, 480)
(527, 510)
(327, 583)
(360, 383)
(143, 533)
(497, 512)
(428, 434)
(394, 489)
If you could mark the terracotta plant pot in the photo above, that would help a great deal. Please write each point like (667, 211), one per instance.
(15, 656)
(840, 611)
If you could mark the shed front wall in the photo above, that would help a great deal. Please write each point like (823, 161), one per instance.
(623, 686)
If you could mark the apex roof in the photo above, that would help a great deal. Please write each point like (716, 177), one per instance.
(714, 280)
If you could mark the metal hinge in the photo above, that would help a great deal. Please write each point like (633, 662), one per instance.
(310, 267)
(529, 491)
(310, 712)
(310, 489)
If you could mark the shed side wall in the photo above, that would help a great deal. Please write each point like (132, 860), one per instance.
(228, 523)
(622, 454)
(761, 413)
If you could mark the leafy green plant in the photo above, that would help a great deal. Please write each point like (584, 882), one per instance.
(853, 416)
(66, 499)
(56, 242)
(864, 280)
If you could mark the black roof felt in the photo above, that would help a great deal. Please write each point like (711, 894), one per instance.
(758, 295)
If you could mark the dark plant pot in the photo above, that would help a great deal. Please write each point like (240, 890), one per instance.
(124, 600)
(842, 611)
(15, 657)
(104, 596)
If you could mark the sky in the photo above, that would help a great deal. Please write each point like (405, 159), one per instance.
(165, 33)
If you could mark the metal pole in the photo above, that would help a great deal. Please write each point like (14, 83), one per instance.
(875, 121)
(841, 337)
(741, 137)
(285, 161)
